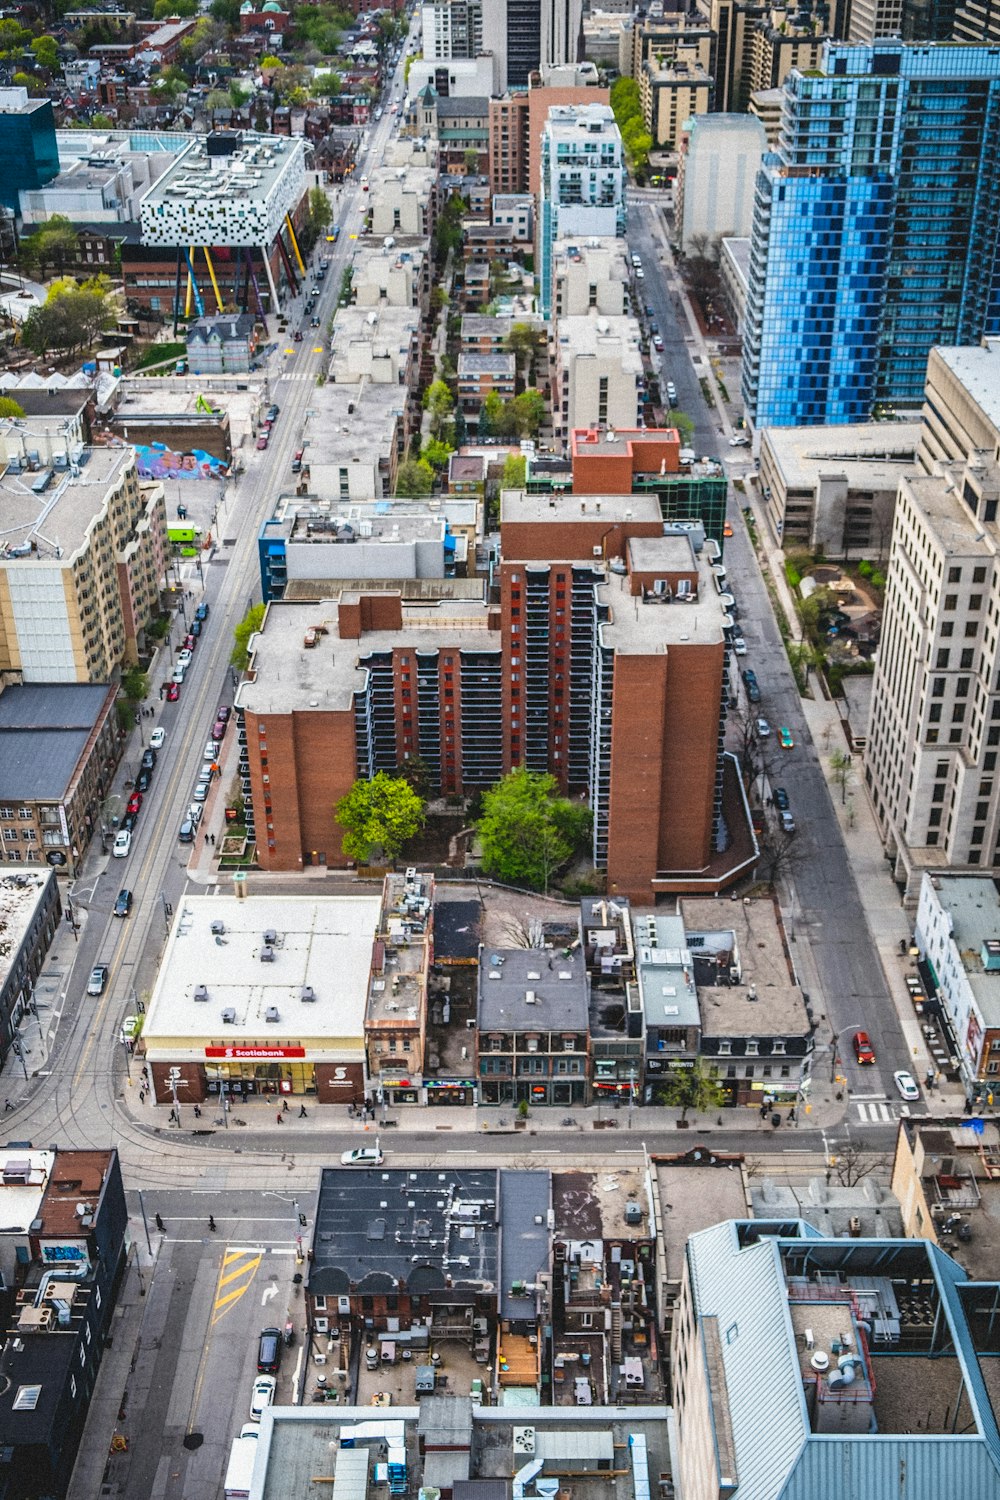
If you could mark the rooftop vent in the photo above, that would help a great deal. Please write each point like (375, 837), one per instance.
(270, 937)
(267, 955)
(308, 993)
(229, 1016)
(271, 1014)
(201, 992)
(218, 927)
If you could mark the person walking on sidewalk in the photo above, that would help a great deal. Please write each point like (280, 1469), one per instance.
(284, 1106)
(302, 1112)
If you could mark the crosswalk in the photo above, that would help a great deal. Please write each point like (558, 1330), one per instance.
(876, 1111)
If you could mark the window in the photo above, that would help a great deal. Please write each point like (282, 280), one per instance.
(951, 601)
(753, 1048)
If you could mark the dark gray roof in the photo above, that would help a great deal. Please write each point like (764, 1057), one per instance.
(463, 106)
(524, 1246)
(558, 983)
(69, 401)
(456, 930)
(44, 729)
(232, 326)
(377, 1228)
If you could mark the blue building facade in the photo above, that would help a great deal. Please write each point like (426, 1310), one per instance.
(876, 231)
(27, 145)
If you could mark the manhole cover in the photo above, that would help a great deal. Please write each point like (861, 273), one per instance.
(194, 1440)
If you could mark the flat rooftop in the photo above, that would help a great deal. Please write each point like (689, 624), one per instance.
(398, 989)
(696, 1189)
(20, 895)
(973, 903)
(939, 498)
(532, 990)
(613, 337)
(518, 506)
(350, 421)
(65, 511)
(249, 173)
(873, 453)
(482, 326)
(643, 626)
(486, 364)
(766, 1000)
(24, 1178)
(665, 970)
(322, 943)
(592, 1205)
(77, 1176)
(288, 678)
(978, 369)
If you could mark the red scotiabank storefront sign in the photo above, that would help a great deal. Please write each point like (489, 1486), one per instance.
(253, 1052)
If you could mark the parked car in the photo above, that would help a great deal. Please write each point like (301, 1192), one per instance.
(184, 657)
(269, 1351)
(218, 729)
(363, 1156)
(130, 1028)
(787, 822)
(863, 1049)
(186, 832)
(201, 613)
(189, 642)
(211, 749)
(739, 645)
(262, 1396)
(123, 905)
(671, 393)
(134, 802)
(657, 343)
(173, 692)
(763, 729)
(739, 441)
(148, 758)
(262, 441)
(98, 980)
(144, 780)
(122, 844)
(200, 792)
(785, 737)
(157, 738)
(196, 628)
(179, 673)
(906, 1086)
(129, 821)
(780, 797)
(272, 411)
(223, 712)
(752, 687)
(727, 529)
(195, 812)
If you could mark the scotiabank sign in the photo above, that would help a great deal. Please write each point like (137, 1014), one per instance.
(255, 1052)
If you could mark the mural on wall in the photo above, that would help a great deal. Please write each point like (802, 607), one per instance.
(157, 461)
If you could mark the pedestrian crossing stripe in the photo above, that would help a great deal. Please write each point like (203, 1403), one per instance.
(236, 1275)
(875, 1111)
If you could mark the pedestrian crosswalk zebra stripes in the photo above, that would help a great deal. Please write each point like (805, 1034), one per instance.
(876, 1111)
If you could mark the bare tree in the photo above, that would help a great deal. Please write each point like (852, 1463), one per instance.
(747, 733)
(523, 932)
(842, 766)
(778, 852)
(855, 1161)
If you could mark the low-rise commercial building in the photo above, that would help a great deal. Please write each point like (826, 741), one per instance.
(957, 934)
(262, 997)
(353, 437)
(59, 746)
(402, 195)
(532, 1027)
(396, 1013)
(30, 910)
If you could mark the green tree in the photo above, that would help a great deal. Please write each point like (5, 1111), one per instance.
(437, 453)
(414, 477)
(525, 342)
(135, 684)
(515, 470)
(692, 1088)
(13, 38)
(164, 8)
(842, 766)
(238, 95)
(69, 320)
(625, 101)
(526, 831)
(527, 413)
(46, 50)
(248, 626)
(439, 403)
(226, 11)
(217, 99)
(684, 425)
(378, 817)
(10, 408)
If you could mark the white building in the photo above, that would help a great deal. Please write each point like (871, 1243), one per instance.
(597, 374)
(718, 172)
(467, 77)
(376, 344)
(957, 931)
(587, 274)
(517, 209)
(582, 182)
(402, 195)
(391, 276)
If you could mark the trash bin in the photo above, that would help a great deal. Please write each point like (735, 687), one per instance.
(776, 1119)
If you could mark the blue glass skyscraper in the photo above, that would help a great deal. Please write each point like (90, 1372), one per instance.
(876, 231)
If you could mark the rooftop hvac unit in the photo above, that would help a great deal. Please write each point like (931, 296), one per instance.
(267, 955)
(271, 1014)
(270, 937)
(201, 992)
(308, 993)
(229, 1016)
(218, 927)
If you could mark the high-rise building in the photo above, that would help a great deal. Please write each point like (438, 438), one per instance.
(715, 187)
(27, 145)
(522, 36)
(582, 182)
(875, 231)
(934, 737)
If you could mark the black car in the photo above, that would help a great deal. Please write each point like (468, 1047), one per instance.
(124, 903)
(145, 779)
(272, 412)
(269, 1352)
(129, 821)
(780, 798)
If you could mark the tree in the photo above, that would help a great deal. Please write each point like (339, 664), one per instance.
(378, 817)
(238, 95)
(226, 11)
(417, 772)
(854, 1162)
(527, 413)
(69, 319)
(10, 408)
(135, 684)
(684, 425)
(745, 723)
(164, 8)
(46, 50)
(437, 452)
(248, 626)
(216, 99)
(515, 469)
(527, 831)
(439, 403)
(778, 852)
(525, 342)
(625, 101)
(842, 766)
(692, 1088)
(414, 477)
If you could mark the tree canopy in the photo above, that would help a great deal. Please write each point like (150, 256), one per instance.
(378, 816)
(10, 408)
(414, 477)
(248, 626)
(527, 831)
(692, 1088)
(70, 318)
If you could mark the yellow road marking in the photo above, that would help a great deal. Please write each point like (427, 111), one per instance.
(236, 1264)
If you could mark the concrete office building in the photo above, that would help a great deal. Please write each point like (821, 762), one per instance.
(589, 273)
(83, 555)
(582, 183)
(862, 264)
(27, 145)
(597, 373)
(720, 159)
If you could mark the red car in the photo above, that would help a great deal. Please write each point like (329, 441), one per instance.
(224, 712)
(173, 692)
(190, 641)
(863, 1049)
(134, 802)
(262, 441)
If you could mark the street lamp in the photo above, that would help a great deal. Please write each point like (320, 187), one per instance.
(834, 1038)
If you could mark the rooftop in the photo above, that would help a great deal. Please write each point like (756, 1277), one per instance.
(532, 990)
(24, 1178)
(398, 987)
(456, 931)
(214, 980)
(525, 1199)
(612, 337)
(644, 626)
(486, 364)
(351, 421)
(599, 250)
(594, 1205)
(44, 731)
(764, 1000)
(952, 524)
(978, 370)
(425, 1229)
(55, 523)
(519, 506)
(77, 1177)
(482, 326)
(973, 903)
(695, 1189)
(289, 678)
(240, 168)
(873, 453)
(20, 896)
(665, 970)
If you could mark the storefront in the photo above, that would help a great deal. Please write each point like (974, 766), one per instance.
(450, 1090)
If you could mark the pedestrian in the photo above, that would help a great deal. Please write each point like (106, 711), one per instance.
(197, 1111)
(213, 840)
(7, 1105)
(159, 1223)
(279, 1116)
(142, 1096)
(284, 1106)
(302, 1112)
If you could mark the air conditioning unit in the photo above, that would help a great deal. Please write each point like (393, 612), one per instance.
(271, 1014)
(307, 994)
(267, 955)
(270, 937)
(201, 992)
(229, 1016)
(218, 927)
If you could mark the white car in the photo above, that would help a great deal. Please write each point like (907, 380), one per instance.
(363, 1156)
(195, 811)
(739, 645)
(906, 1086)
(130, 1027)
(206, 773)
(211, 750)
(739, 441)
(122, 845)
(179, 672)
(262, 1396)
(157, 738)
(200, 793)
(184, 657)
(763, 729)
